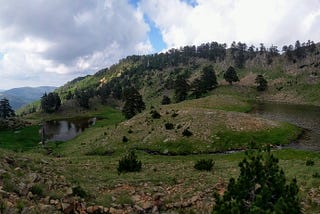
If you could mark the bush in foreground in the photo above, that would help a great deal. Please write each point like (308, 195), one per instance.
(129, 163)
(260, 188)
(204, 164)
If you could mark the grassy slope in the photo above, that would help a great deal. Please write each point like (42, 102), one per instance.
(215, 127)
(172, 176)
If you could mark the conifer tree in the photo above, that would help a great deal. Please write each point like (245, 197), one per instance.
(181, 88)
(50, 102)
(262, 83)
(260, 188)
(231, 75)
(5, 109)
(133, 102)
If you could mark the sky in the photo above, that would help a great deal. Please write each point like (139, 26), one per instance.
(52, 42)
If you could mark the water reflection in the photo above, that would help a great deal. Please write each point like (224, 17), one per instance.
(304, 116)
(63, 130)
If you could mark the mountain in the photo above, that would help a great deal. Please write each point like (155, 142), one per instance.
(292, 74)
(19, 97)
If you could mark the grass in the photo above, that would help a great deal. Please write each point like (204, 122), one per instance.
(91, 159)
(176, 173)
(20, 140)
(215, 101)
(229, 140)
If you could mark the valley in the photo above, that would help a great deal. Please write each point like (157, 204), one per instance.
(220, 122)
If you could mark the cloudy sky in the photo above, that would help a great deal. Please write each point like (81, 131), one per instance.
(51, 42)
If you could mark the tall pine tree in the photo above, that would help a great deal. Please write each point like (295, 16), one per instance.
(133, 102)
(181, 88)
(5, 109)
(50, 102)
(231, 75)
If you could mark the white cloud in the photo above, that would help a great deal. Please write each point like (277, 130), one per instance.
(63, 39)
(252, 21)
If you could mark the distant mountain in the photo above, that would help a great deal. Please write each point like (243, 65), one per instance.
(19, 97)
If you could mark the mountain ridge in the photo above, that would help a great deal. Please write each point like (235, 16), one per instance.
(21, 96)
(292, 71)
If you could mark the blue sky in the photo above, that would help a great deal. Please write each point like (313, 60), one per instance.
(53, 42)
(154, 33)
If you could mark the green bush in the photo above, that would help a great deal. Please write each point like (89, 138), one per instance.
(309, 162)
(260, 188)
(316, 175)
(187, 133)
(169, 126)
(125, 139)
(204, 164)
(37, 190)
(79, 191)
(155, 114)
(129, 163)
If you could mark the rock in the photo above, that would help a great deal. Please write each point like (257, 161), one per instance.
(32, 177)
(44, 208)
(194, 199)
(155, 210)
(113, 210)
(158, 199)
(136, 198)
(2, 171)
(54, 202)
(64, 205)
(29, 195)
(68, 209)
(44, 161)
(100, 208)
(147, 205)
(138, 208)
(22, 188)
(4, 193)
(90, 209)
(69, 191)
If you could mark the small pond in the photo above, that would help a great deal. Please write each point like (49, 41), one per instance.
(304, 116)
(64, 130)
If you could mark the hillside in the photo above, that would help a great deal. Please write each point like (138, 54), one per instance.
(19, 97)
(293, 75)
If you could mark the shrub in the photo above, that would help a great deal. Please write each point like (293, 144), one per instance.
(155, 114)
(260, 188)
(187, 133)
(125, 139)
(309, 162)
(169, 126)
(37, 190)
(174, 114)
(165, 100)
(79, 191)
(204, 164)
(316, 175)
(129, 163)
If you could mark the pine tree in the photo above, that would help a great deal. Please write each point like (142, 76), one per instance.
(133, 102)
(209, 78)
(50, 102)
(262, 83)
(260, 188)
(207, 82)
(231, 75)
(181, 88)
(5, 109)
